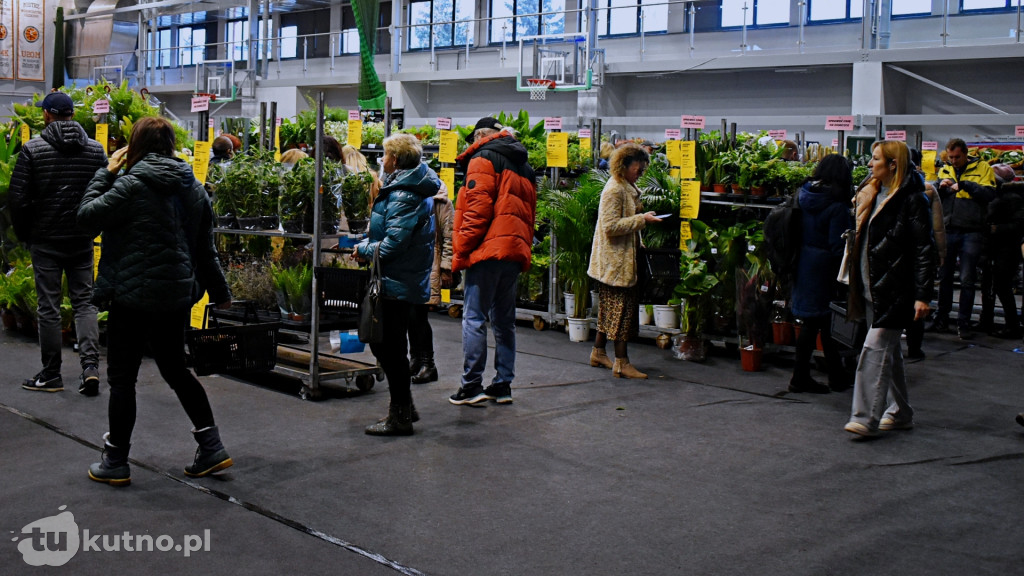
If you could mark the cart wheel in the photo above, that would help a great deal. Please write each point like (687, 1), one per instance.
(365, 382)
(307, 393)
(539, 324)
(455, 311)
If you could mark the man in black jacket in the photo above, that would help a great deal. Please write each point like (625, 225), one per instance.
(49, 179)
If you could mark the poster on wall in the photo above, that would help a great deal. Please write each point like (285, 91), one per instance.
(6, 40)
(31, 23)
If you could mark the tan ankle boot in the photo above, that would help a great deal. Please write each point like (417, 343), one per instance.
(623, 369)
(599, 358)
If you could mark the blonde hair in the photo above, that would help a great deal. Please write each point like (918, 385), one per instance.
(405, 148)
(354, 159)
(292, 156)
(625, 155)
(896, 153)
(606, 149)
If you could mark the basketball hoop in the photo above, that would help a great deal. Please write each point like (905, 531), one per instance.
(212, 97)
(539, 87)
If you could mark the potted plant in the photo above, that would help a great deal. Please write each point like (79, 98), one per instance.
(294, 290)
(754, 302)
(355, 200)
(694, 290)
(296, 196)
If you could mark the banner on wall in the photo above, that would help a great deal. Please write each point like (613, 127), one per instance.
(6, 40)
(31, 24)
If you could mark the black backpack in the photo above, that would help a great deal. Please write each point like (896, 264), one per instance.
(782, 235)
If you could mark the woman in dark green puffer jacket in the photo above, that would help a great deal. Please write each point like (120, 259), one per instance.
(158, 257)
(402, 227)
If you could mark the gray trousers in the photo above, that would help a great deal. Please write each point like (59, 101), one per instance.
(880, 387)
(50, 263)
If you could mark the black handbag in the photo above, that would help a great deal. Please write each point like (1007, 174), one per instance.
(371, 325)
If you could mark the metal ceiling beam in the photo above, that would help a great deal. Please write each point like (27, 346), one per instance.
(152, 5)
(947, 89)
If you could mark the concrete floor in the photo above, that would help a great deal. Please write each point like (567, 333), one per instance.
(703, 469)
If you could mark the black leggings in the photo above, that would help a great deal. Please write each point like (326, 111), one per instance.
(130, 334)
(807, 342)
(391, 353)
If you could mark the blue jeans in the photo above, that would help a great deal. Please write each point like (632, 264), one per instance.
(51, 262)
(969, 247)
(490, 295)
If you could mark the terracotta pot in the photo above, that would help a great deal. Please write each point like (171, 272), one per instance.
(757, 191)
(782, 333)
(737, 189)
(750, 358)
(720, 188)
(706, 188)
(818, 344)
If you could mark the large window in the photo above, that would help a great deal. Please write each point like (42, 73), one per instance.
(510, 19)
(238, 36)
(453, 18)
(161, 57)
(971, 5)
(192, 49)
(911, 7)
(735, 13)
(624, 17)
(835, 10)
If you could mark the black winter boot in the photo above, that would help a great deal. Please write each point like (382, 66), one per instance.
(427, 371)
(397, 423)
(210, 455)
(415, 361)
(113, 465)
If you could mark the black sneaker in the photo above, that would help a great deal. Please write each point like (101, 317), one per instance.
(473, 395)
(1020, 418)
(500, 393)
(41, 383)
(89, 381)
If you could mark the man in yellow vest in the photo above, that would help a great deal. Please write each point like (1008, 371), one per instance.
(966, 186)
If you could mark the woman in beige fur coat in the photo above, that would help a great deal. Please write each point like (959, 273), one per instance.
(613, 258)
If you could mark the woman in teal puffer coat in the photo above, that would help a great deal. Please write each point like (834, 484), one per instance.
(158, 258)
(402, 228)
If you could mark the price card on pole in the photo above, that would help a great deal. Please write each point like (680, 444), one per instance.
(673, 134)
(585, 143)
(200, 103)
(443, 123)
(198, 313)
(26, 134)
(553, 123)
(777, 134)
(675, 174)
(103, 136)
(449, 148)
(201, 163)
(684, 234)
(277, 140)
(355, 133)
(447, 175)
(692, 122)
(929, 145)
(687, 154)
(558, 149)
(211, 135)
(689, 199)
(674, 153)
(898, 135)
(1018, 131)
(97, 248)
(839, 123)
(101, 106)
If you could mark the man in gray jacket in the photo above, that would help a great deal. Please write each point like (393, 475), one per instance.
(49, 179)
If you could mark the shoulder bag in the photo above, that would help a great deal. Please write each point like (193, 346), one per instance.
(371, 325)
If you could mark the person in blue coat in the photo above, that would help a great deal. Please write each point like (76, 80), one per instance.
(825, 211)
(402, 228)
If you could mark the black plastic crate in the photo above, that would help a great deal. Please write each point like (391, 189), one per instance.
(341, 289)
(662, 273)
(241, 349)
(849, 334)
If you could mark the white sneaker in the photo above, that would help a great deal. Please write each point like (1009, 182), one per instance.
(860, 429)
(890, 423)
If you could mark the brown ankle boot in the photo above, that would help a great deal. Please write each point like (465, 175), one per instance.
(623, 369)
(599, 358)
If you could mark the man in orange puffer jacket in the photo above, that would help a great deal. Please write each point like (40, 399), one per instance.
(492, 240)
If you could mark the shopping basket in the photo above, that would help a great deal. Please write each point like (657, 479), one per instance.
(243, 349)
(341, 289)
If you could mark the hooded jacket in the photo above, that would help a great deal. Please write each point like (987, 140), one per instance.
(825, 216)
(496, 207)
(49, 179)
(401, 224)
(964, 210)
(901, 256)
(157, 226)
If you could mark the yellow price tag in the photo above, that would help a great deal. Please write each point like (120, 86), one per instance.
(449, 147)
(928, 165)
(201, 161)
(103, 136)
(684, 234)
(197, 317)
(689, 199)
(587, 145)
(26, 134)
(355, 133)
(446, 295)
(674, 153)
(277, 143)
(212, 135)
(96, 249)
(558, 149)
(687, 157)
(447, 176)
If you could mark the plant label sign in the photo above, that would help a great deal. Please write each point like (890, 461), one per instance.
(103, 135)
(447, 176)
(201, 160)
(673, 134)
(585, 133)
(101, 106)
(899, 135)
(777, 134)
(688, 159)
(839, 123)
(692, 122)
(684, 234)
(930, 145)
(444, 124)
(1018, 131)
(553, 123)
(354, 115)
(674, 153)
(355, 133)
(689, 199)
(449, 148)
(200, 104)
(558, 149)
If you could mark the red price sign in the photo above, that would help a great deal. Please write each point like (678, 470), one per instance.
(839, 123)
(692, 122)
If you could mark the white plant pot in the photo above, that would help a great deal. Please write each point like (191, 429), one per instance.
(646, 319)
(579, 329)
(570, 303)
(666, 316)
(595, 301)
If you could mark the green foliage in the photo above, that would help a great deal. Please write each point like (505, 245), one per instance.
(247, 186)
(355, 195)
(660, 192)
(294, 288)
(573, 218)
(18, 285)
(252, 281)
